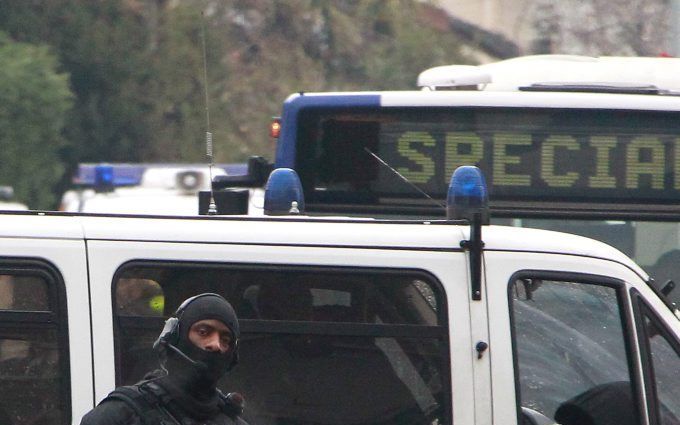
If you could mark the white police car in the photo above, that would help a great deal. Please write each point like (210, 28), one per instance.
(7, 200)
(344, 320)
(150, 189)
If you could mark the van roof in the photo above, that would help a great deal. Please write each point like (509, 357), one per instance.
(300, 231)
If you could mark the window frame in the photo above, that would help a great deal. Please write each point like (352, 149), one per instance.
(627, 324)
(56, 318)
(641, 309)
(289, 327)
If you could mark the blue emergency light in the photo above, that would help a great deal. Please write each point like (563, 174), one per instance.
(108, 176)
(283, 193)
(467, 195)
(103, 175)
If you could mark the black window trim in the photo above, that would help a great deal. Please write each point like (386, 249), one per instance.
(627, 322)
(290, 327)
(641, 309)
(441, 331)
(58, 315)
(32, 317)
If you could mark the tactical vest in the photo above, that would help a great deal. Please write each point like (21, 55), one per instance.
(150, 403)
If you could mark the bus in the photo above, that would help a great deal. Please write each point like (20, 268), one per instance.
(583, 145)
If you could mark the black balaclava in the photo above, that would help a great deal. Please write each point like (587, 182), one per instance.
(197, 378)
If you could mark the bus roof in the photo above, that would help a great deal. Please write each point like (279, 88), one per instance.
(660, 73)
(299, 103)
(523, 99)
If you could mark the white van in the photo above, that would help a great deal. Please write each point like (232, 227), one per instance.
(352, 321)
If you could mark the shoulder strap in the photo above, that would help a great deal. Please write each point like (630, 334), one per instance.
(144, 404)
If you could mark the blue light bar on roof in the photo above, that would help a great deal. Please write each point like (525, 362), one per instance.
(124, 174)
(109, 174)
(103, 176)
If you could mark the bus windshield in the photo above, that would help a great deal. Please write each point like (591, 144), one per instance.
(541, 155)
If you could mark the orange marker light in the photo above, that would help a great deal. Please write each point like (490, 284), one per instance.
(275, 128)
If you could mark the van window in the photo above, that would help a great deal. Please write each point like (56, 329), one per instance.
(34, 378)
(663, 361)
(317, 344)
(570, 347)
(23, 293)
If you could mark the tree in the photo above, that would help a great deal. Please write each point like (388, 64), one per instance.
(262, 51)
(34, 101)
(101, 45)
(601, 27)
(136, 66)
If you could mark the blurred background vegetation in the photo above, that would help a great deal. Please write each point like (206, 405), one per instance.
(122, 80)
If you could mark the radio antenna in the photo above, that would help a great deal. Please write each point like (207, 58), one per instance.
(422, 192)
(212, 207)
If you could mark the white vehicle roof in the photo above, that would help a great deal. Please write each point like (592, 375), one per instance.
(142, 201)
(303, 231)
(149, 189)
(516, 99)
(511, 74)
(12, 206)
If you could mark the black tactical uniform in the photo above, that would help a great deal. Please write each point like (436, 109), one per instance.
(187, 393)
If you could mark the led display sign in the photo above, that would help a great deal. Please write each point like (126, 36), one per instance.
(552, 156)
(539, 164)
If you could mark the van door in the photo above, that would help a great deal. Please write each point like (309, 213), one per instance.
(45, 350)
(365, 335)
(658, 338)
(564, 344)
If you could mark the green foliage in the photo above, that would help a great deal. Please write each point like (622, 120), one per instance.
(177, 117)
(34, 100)
(102, 45)
(136, 67)
(273, 49)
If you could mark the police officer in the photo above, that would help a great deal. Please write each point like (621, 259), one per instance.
(197, 346)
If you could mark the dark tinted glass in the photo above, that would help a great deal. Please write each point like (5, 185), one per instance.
(306, 379)
(34, 384)
(666, 366)
(571, 352)
(296, 295)
(317, 345)
(30, 377)
(23, 293)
